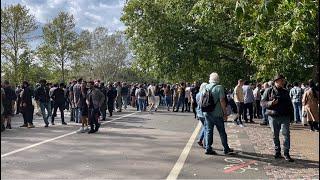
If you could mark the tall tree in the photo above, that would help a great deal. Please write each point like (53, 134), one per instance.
(16, 24)
(60, 42)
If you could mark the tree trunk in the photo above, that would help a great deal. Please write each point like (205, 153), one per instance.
(62, 69)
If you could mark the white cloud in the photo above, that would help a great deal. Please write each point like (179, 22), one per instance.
(88, 14)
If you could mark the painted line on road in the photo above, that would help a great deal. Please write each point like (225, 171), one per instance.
(52, 139)
(234, 168)
(183, 156)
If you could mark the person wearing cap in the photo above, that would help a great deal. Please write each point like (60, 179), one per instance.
(279, 109)
(26, 106)
(217, 116)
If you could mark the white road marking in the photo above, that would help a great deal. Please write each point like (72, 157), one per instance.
(183, 156)
(52, 139)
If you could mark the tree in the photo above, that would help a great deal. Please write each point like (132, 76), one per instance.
(281, 36)
(16, 24)
(61, 43)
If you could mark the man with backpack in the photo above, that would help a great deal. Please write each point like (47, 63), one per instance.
(141, 96)
(213, 106)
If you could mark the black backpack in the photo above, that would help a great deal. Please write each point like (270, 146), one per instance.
(142, 93)
(207, 101)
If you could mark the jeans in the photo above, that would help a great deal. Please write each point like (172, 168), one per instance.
(187, 104)
(77, 114)
(103, 113)
(72, 113)
(297, 111)
(210, 122)
(43, 107)
(168, 101)
(203, 129)
(119, 103)
(142, 104)
(257, 110)
(125, 101)
(264, 116)
(283, 123)
(181, 101)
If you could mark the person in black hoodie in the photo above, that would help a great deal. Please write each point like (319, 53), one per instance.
(26, 107)
(111, 95)
(42, 95)
(58, 97)
(10, 98)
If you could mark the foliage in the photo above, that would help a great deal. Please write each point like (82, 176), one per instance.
(16, 24)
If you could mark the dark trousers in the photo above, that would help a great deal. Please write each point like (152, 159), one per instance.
(181, 101)
(27, 115)
(248, 106)
(240, 111)
(194, 106)
(55, 108)
(18, 105)
(257, 109)
(93, 117)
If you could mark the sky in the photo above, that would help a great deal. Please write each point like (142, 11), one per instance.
(88, 14)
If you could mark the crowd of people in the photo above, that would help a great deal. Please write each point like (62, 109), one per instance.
(276, 102)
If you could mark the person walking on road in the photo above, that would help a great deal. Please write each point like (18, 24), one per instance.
(141, 96)
(111, 96)
(10, 98)
(95, 98)
(18, 102)
(42, 95)
(248, 100)
(217, 116)
(265, 120)
(277, 101)
(310, 102)
(200, 116)
(168, 96)
(58, 98)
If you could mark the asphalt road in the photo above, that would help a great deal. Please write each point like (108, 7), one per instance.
(130, 145)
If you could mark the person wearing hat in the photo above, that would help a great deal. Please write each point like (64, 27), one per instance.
(279, 109)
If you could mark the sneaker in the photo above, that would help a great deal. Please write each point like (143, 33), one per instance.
(8, 126)
(81, 130)
(211, 153)
(24, 125)
(46, 126)
(241, 125)
(278, 156)
(64, 123)
(288, 158)
(229, 152)
(252, 122)
(86, 129)
(52, 123)
(30, 125)
(305, 124)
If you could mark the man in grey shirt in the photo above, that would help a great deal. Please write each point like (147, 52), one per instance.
(248, 102)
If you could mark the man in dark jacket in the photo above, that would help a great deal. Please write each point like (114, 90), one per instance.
(26, 106)
(42, 95)
(277, 101)
(10, 98)
(111, 95)
(58, 97)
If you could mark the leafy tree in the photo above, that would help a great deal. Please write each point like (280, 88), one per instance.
(16, 24)
(61, 43)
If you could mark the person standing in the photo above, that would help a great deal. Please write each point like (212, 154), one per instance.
(18, 102)
(103, 108)
(187, 99)
(257, 98)
(42, 95)
(265, 120)
(194, 91)
(72, 101)
(167, 96)
(156, 97)
(2, 108)
(26, 105)
(248, 100)
(58, 98)
(83, 108)
(10, 98)
(217, 116)
(119, 97)
(76, 99)
(310, 102)
(133, 95)
(124, 95)
(95, 98)
(239, 100)
(141, 95)
(296, 97)
(200, 116)
(277, 101)
(111, 96)
(181, 97)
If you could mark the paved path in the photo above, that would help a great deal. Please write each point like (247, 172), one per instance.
(134, 145)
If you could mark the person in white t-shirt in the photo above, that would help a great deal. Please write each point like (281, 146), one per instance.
(188, 97)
